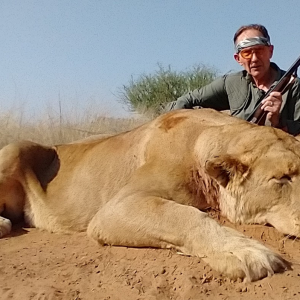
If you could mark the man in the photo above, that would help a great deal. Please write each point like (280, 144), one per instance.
(240, 92)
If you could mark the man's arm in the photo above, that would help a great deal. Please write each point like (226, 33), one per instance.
(212, 95)
(292, 123)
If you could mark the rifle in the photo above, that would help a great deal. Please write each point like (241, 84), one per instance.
(258, 116)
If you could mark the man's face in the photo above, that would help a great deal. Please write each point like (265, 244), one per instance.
(258, 58)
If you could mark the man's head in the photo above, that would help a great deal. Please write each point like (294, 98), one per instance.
(253, 49)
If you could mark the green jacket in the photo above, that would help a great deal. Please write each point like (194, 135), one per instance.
(237, 92)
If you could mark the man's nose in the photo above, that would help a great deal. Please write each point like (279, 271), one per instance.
(254, 56)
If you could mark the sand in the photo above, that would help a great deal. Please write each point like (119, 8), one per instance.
(36, 265)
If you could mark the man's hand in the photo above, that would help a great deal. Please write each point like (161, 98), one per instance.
(272, 105)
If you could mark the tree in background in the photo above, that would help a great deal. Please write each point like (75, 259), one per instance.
(149, 93)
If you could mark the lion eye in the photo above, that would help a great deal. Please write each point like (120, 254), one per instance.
(283, 179)
(286, 177)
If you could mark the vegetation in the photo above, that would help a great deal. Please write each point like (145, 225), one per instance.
(56, 128)
(149, 93)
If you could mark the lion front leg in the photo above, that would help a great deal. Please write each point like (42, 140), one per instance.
(145, 221)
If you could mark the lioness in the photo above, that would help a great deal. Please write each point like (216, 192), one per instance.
(147, 187)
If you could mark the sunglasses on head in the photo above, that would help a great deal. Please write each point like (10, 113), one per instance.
(247, 53)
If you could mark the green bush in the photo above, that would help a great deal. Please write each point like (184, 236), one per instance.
(149, 93)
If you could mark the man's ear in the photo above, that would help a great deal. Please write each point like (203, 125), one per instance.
(226, 168)
(237, 58)
(271, 51)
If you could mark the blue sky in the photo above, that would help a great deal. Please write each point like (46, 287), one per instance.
(82, 52)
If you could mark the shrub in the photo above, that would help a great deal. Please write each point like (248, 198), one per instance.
(148, 93)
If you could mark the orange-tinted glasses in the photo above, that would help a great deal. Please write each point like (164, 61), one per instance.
(259, 51)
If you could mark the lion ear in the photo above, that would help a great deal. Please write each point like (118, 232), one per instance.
(226, 168)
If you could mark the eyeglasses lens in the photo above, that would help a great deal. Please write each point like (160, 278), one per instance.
(248, 53)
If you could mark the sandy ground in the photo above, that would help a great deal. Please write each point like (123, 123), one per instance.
(40, 265)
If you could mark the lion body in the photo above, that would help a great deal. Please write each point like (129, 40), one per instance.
(148, 188)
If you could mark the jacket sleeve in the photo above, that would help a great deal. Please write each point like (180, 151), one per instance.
(293, 103)
(212, 95)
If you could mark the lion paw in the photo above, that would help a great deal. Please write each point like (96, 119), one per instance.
(260, 262)
(249, 260)
(5, 227)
